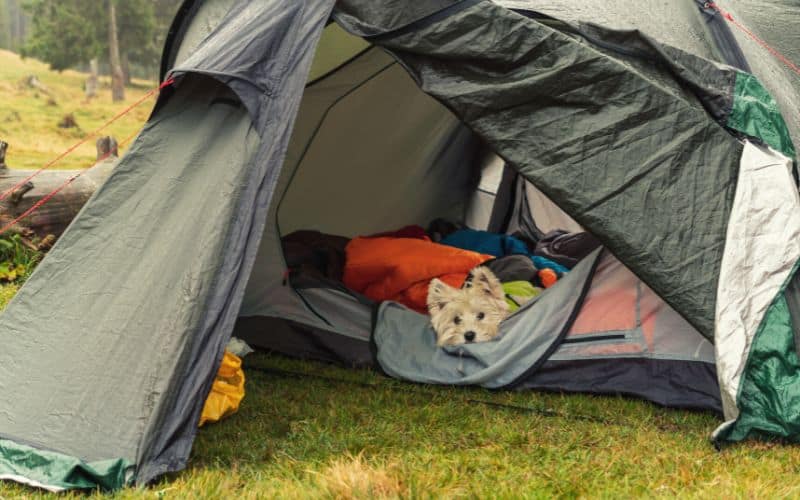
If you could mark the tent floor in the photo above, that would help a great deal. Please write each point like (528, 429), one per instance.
(669, 383)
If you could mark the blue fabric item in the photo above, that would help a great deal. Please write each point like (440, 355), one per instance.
(545, 263)
(498, 245)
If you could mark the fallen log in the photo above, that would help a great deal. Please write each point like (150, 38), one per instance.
(52, 218)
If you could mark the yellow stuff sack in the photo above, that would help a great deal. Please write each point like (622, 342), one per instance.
(227, 392)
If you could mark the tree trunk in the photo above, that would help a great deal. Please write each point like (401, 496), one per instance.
(126, 69)
(117, 78)
(107, 147)
(13, 24)
(54, 216)
(5, 27)
(23, 26)
(91, 82)
(17, 24)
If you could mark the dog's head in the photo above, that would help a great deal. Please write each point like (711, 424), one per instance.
(469, 314)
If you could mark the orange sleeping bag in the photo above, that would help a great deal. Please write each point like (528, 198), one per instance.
(400, 269)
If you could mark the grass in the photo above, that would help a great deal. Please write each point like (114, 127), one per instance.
(16, 260)
(29, 121)
(306, 437)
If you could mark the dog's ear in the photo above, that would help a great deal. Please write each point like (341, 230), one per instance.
(484, 281)
(439, 295)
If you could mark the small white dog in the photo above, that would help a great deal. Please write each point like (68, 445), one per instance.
(469, 314)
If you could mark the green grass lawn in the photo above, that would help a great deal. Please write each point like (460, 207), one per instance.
(364, 435)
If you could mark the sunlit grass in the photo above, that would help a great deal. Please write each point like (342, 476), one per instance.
(29, 119)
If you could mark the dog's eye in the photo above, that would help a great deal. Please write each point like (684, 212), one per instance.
(457, 320)
(481, 315)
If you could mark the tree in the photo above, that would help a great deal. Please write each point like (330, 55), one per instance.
(5, 26)
(64, 33)
(137, 36)
(67, 33)
(13, 24)
(117, 78)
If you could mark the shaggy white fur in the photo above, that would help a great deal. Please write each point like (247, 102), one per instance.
(469, 314)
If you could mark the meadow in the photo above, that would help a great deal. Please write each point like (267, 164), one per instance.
(29, 117)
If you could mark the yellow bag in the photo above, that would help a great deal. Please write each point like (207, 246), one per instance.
(227, 392)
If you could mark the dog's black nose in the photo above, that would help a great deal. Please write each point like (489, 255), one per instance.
(470, 336)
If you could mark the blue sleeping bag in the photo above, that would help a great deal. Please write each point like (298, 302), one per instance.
(498, 245)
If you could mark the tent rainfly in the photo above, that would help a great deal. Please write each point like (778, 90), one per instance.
(658, 130)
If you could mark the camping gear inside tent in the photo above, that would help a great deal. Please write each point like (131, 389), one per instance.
(658, 130)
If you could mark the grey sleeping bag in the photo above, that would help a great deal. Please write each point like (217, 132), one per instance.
(406, 342)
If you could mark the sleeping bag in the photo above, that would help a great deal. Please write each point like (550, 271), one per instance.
(400, 269)
(498, 245)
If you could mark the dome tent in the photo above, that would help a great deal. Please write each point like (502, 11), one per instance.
(506, 115)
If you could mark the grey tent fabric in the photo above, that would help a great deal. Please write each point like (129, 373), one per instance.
(674, 23)
(714, 89)
(127, 314)
(206, 16)
(379, 16)
(677, 24)
(247, 63)
(606, 127)
(161, 256)
(432, 156)
(680, 25)
(775, 22)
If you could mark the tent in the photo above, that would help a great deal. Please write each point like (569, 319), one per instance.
(658, 129)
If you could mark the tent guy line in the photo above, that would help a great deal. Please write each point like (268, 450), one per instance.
(36, 206)
(63, 155)
(729, 17)
(83, 141)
